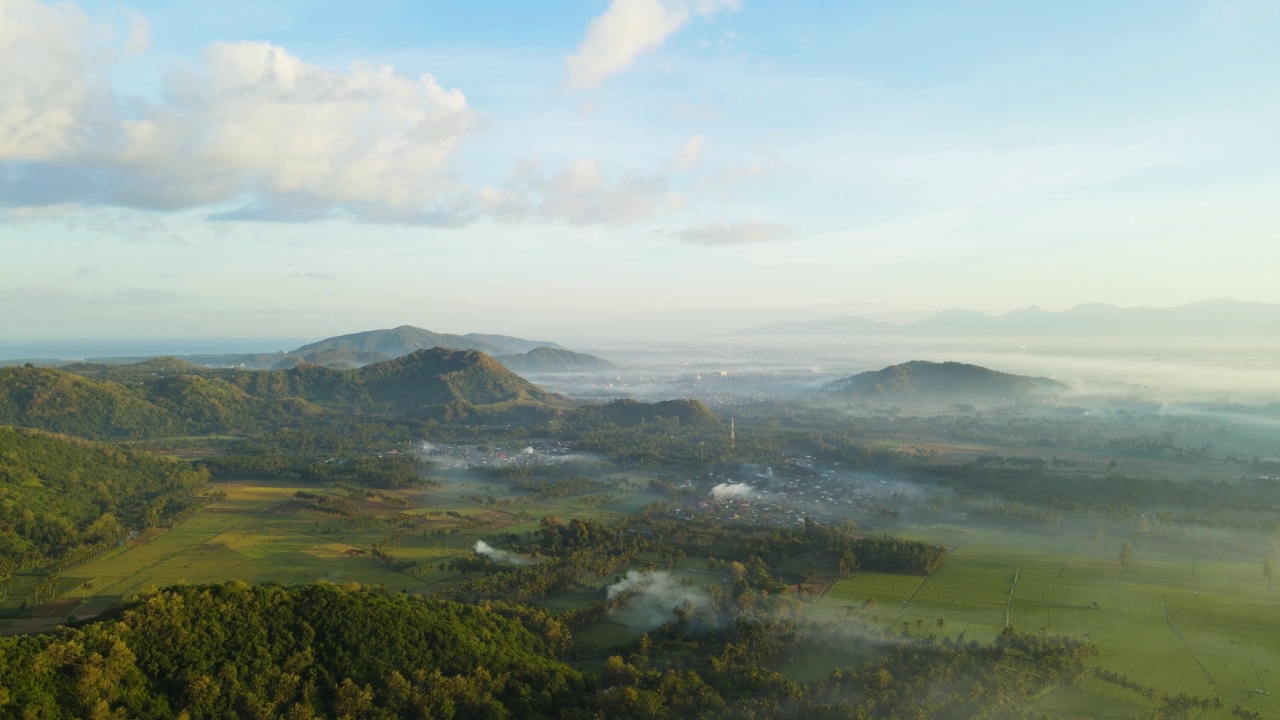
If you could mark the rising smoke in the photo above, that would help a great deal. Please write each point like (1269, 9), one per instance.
(654, 595)
(734, 491)
(496, 555)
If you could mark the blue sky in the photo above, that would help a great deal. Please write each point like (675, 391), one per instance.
(631, 168)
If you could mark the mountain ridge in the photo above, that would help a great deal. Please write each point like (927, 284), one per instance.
(921, 379)
(168, 396)
(1219, 317)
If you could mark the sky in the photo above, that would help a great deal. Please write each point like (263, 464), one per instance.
(625, 168)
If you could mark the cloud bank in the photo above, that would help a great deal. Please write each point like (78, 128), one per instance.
(628, 29)
(250, 126)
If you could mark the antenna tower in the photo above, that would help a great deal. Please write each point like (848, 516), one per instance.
(733, 441)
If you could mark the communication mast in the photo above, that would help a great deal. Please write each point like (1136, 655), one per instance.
(733, 441)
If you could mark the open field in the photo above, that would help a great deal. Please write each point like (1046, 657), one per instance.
(260, 533)
(1168, 621)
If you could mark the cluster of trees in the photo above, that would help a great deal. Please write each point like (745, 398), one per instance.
(841, 543)
(389, 472)
(59, 494)
(1161, 446)
(1116, 496)
(168, 397)
(235, 650)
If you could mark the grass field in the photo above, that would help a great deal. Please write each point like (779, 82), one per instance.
(260, 533)
(1177, 624)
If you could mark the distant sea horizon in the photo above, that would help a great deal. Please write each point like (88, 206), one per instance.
(84, 348)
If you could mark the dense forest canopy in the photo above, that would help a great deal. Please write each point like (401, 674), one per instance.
(58, 493)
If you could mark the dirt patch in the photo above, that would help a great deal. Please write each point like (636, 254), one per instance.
(288, 507)
(55, 608)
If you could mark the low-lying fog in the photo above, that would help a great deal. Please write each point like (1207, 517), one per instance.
(732, 370)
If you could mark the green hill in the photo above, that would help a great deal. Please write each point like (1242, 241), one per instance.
(406, 339)
(924, 380)
(234, 650)
(553, 360)
(167, 397)
(64, 402)
(624, 413)
(59, 493)
(440, 377)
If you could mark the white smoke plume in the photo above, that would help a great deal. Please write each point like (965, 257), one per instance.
(654, 596)
(734, 491)
(496, 555)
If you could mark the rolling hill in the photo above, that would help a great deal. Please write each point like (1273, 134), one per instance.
(405, 339)
(553, 360)
(167, 396)
(923, 380)
(58, 493)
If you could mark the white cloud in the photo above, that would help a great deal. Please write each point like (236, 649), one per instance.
(629, 29)
(258, 119)
(749, 232)
(50, 93)
(250, 131)
(691, 152)
(580, 194)
(252, 128)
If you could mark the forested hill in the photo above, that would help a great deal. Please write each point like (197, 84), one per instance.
(553, 360)
(406, 339)
(58, 494)
(222, 651)
(165, 397)
(628, 412)
(950, 380)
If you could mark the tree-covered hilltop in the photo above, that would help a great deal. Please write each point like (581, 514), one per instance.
(322, 650)
(553, 360)
(167, 397)
(60, 494)
(924, 380)
(633, 412)
(59, 401)
(235, 650)
(407, 339)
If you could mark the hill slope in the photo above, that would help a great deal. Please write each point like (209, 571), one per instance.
(58, 493)
(234, 650)
(553, 360)
(63, 402)
(919, 379)
(166, 397)
(405, 339)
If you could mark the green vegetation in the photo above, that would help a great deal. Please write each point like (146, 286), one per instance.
(64, 501)
(235, 650)
(922, 379)
(820, 565)
(166, 397)
(552, 360)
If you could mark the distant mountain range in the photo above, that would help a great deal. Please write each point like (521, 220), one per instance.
(1208, 319)
(374, 346)
(949, 380)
